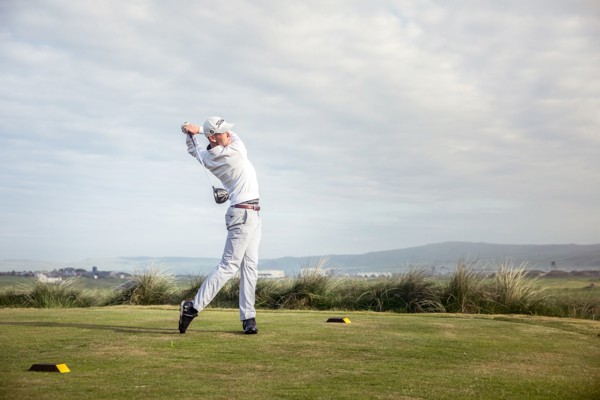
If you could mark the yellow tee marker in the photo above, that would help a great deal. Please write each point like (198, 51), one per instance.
(341, 320)
(62, 368)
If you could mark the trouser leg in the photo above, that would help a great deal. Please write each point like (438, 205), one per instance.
(243, 233)
(213, 284)
(249, 268)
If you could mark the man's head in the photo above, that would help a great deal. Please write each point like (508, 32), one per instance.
(217, 131)
(215, 125)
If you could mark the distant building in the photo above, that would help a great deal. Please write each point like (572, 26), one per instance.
(374, 274)
(69, 272)
(47, 279)
(271, 273)
(120, 275)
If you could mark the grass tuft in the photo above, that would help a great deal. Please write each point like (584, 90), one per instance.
(513, 292)
(411, 292)
(151, 286)
(578, 305)
(465, 290)
(189, 292)
(63, 294)
(310, 289)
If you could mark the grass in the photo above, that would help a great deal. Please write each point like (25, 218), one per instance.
(150, 286)
(310, 289)
(135, 352)
(512, 292)
(410, 292)
(465, 289)
(7, 282)
(68, 293)
(500, 288)
(570, 283)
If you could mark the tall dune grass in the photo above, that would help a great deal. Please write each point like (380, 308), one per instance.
(500, 288)
(151, 286)
(312, 288)
(465, 292)
(413, 291)
(64, 294)
(584, 305)
(513, 292)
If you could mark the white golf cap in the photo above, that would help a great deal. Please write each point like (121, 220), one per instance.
(216, 125)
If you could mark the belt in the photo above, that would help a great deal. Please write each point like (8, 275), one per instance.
(254, 207)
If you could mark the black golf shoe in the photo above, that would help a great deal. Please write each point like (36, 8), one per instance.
(250, 326)
(187, 313)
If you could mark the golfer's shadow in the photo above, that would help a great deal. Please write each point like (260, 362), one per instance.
(114, 328)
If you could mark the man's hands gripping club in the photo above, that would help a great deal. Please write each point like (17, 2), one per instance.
(190, 129)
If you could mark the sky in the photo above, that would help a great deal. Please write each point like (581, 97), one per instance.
(373, 125)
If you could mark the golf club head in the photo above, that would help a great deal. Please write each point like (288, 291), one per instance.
(221, 195)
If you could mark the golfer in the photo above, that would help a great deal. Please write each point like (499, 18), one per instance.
(227, 158)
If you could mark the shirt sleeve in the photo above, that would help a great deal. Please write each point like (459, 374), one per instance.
(194, 149)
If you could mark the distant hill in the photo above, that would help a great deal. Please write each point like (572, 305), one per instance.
(440, 256)
(448, 254)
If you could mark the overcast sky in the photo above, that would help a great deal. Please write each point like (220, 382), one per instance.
(373, 125)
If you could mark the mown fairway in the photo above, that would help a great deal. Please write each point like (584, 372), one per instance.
(137, 353)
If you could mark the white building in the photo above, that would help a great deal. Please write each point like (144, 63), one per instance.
(271, 273)
(374, 274)
(47, 279)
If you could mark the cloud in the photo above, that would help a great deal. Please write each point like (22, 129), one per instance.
(372, 125)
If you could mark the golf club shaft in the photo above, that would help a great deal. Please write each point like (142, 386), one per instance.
(200, 159)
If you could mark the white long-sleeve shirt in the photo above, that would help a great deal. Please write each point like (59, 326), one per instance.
(231, 166)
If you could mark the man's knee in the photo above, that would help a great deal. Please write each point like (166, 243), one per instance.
(228, 269)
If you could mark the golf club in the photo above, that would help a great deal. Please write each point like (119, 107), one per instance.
(220, 195)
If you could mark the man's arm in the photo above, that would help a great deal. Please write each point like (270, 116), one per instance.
(191, 145)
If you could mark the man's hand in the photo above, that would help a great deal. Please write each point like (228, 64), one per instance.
(190, 129)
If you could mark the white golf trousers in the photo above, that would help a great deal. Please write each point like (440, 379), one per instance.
(240, 254)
